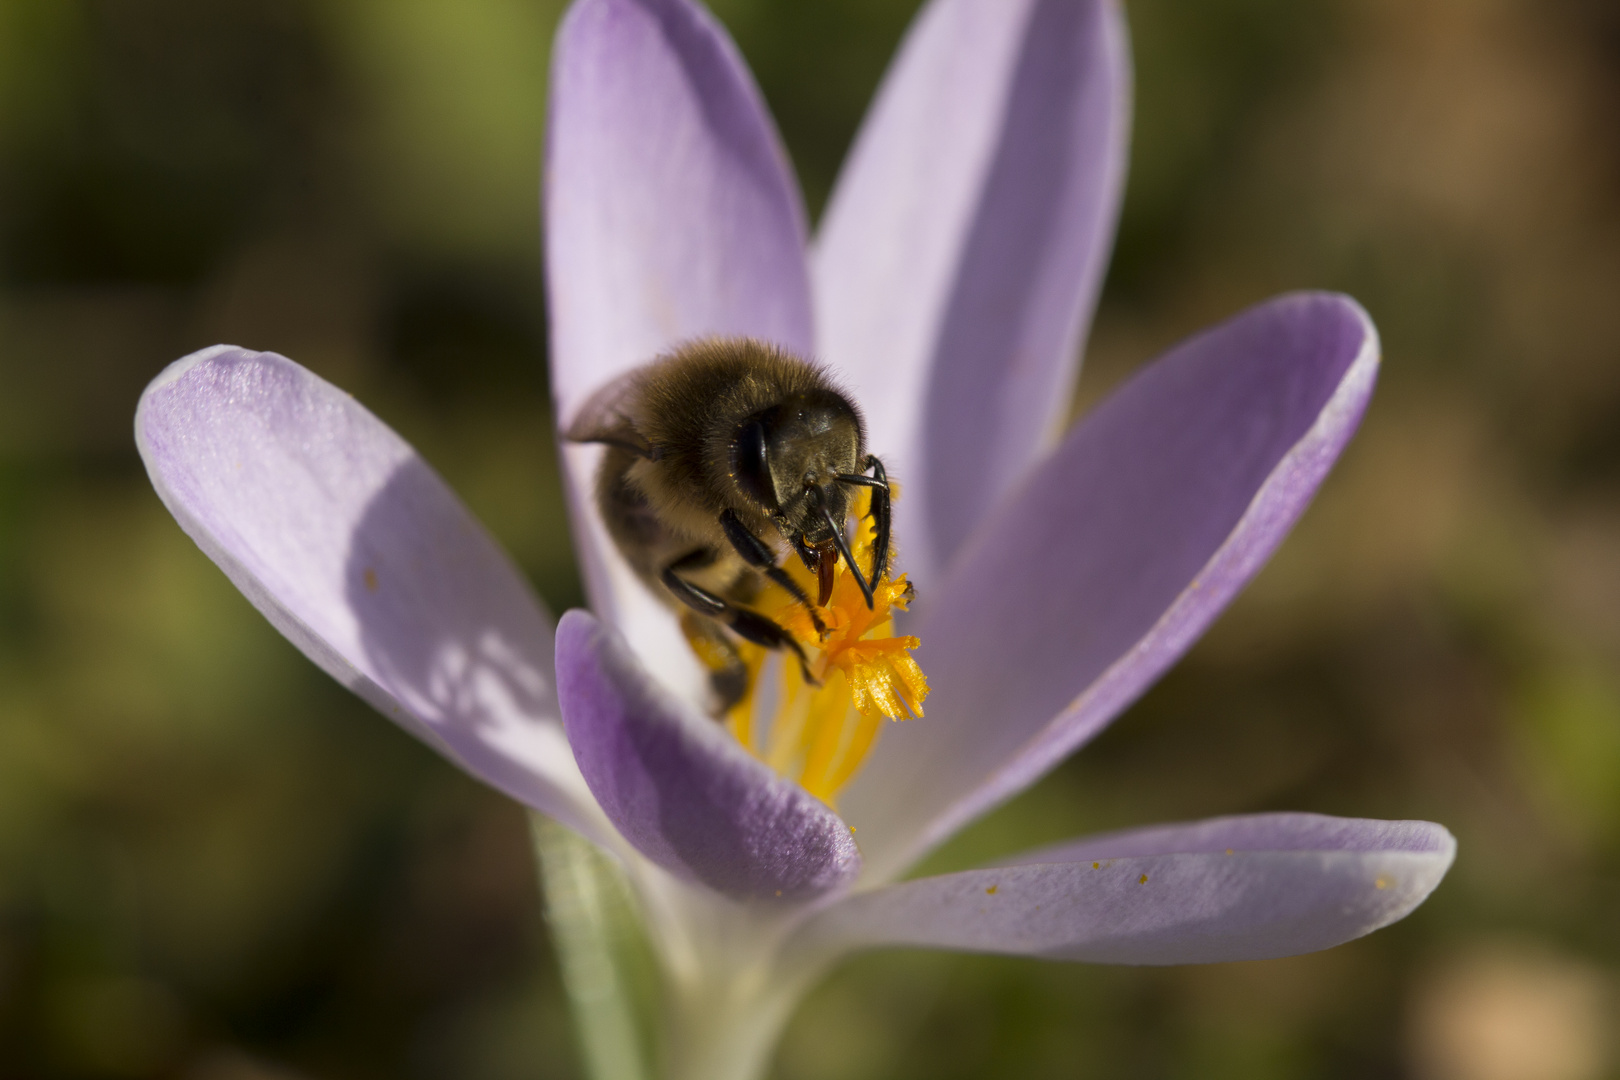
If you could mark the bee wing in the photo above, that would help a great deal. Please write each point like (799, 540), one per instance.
(604, 419)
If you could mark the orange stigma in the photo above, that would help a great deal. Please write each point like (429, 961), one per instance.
(819, 735)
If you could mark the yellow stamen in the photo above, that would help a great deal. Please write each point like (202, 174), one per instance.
(860, 743)
(820, 735)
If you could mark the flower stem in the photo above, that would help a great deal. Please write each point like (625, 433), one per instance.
(607, 968)
(707, 1003)
(725, 1032)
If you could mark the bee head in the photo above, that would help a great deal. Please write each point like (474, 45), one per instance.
(786, 460)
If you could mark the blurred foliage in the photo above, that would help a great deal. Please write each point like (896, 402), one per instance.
(216, 865)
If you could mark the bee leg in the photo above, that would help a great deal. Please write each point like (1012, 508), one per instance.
(820, 504)
(728, 675)
(746, 624)
(758, 554)
(880, 511)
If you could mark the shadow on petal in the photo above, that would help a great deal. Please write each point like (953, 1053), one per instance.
(338, 532)
(449, 629)
(1029, 271)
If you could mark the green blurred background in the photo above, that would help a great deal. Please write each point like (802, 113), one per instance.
(217, 865)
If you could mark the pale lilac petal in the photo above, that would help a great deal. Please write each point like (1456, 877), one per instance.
(1100, 569)
(681, 789)
(336, 530)
(670, 214)
(962, 251)
(1242, 888)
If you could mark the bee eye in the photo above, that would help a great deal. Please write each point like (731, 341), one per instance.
(749, 464)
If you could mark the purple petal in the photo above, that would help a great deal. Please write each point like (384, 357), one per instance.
(353, 548)
(1243, 888)
(1102, 568)
(670, 214)
(963, 249)
(681, 789)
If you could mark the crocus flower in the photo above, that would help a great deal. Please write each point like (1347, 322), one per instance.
(1057, 574)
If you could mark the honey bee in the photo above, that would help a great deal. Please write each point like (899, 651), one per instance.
(718, 454)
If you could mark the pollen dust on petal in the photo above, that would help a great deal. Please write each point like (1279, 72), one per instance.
(370, 578)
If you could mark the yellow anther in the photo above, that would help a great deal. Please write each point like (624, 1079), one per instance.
(820, 735)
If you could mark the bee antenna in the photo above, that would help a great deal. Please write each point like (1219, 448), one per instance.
(842, 545)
